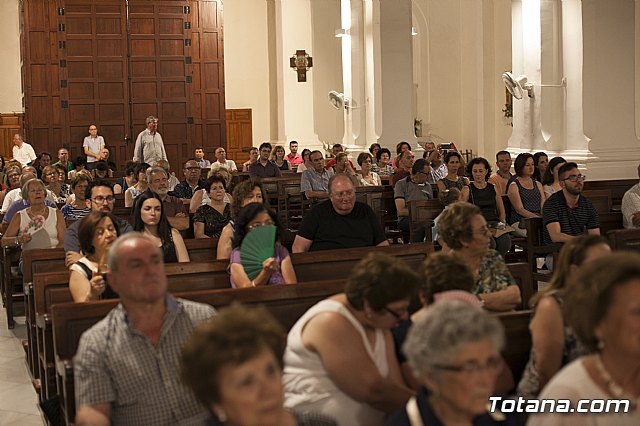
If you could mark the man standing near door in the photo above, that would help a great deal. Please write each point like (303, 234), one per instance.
(149, 147)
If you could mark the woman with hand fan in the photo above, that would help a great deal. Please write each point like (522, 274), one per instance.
(257, 257)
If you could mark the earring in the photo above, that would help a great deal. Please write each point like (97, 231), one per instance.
(600, 344)
(221, 415)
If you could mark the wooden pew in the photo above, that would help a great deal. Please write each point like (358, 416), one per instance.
(535, 248)
(616, 187)
(624, 239)
(518, 340)
(286, 303)
(521, 272)
(11, 290)
(421, 216)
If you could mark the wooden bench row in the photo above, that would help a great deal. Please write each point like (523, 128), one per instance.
(287, 303)
(49, 288)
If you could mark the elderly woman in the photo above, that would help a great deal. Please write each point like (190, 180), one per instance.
(340, 357)
(211, 218)
(140, 186)
(367, 176)
(76, 207)
(464, 230)
(554, 343)
(550, 180)
(602, 306)
(454, 350)
(276, 269)
(34, 218)
(452, 160)
(150, 219)
(11, 181)
(202, 197)
(383, 166)
(96, 233)
(244, 193)
(54, 184)
(525, 194)
(233, 365)
(482, 193)
(306, 163)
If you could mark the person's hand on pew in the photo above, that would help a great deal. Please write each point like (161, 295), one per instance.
(503, 300)
(71, 257)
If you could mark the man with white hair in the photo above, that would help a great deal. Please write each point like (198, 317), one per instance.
(175, 210)
(22, 151)
(149, 146)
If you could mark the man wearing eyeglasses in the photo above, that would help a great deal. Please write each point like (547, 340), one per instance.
(567, 214)
(192, 181)
(99, 196)
(411, 188)
(342, 222)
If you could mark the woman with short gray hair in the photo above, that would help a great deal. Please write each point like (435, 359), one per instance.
(454, 350)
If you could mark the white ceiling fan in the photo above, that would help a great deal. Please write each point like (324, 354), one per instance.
(517, 85)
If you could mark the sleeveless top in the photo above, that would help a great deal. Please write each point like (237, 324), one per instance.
(448, 184)
(529, 386)
(50, 225)
(88, 269)
(530, 200)
(307, 384)
(169, 250)
(486, 200)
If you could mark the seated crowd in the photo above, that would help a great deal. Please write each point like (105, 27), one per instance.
(398, 347)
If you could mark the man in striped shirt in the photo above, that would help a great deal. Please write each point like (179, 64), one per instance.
(567, 214)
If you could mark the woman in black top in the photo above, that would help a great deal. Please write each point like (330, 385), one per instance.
(150, 219)
(483, 194)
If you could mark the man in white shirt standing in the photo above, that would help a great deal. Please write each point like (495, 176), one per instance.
(22, 151)
(149, 146)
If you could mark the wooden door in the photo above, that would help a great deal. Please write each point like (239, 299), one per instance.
(239, 134)
(94, 74)
(159, 71)
(40, 74)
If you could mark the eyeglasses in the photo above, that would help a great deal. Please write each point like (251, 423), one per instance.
(394, 314)
(575, 178)
(482, 231)
(494, 365)
(101, 200)
(259, 224)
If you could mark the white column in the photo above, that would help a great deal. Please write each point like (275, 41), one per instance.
(609, 96)
(396, 72)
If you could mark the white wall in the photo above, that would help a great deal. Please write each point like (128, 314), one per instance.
(246, 62)
(10, 92)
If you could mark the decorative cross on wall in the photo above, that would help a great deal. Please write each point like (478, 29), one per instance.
(301, 62)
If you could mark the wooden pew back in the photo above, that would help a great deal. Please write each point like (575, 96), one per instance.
(624, 239)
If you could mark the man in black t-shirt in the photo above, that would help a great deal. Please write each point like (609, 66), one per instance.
(340, 223)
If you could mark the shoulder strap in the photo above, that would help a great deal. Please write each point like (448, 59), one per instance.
(88, 272)
(413, 412)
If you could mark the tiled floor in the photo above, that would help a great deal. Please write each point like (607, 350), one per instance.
(18, 400)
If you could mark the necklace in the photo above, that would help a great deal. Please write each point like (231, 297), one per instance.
(612, 386)
(35, 213)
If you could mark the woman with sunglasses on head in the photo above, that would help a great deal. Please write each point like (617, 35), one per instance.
(277, 269)
(150, 219)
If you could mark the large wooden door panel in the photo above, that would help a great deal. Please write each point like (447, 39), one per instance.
(159, 70)
(96, 72)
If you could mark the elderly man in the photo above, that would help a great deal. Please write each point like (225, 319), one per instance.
(631, 206)
(335, 150)
(192, 181)
(104, 156)
(263, 167)
(99, 197)
(341, 223)
(500, 179)
(567, 214)
(293, 157)
(221, 161)
(63, 160)
(173, 180)
(314, 183)
(22, 151)
(175, 210)
(149, 146)
(126, 369)
(411, 188)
